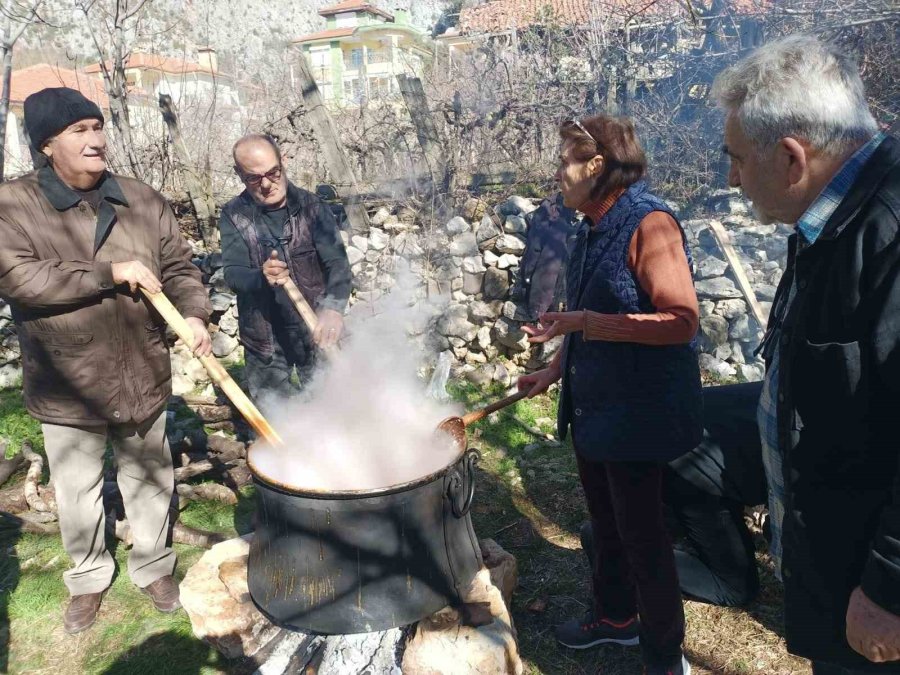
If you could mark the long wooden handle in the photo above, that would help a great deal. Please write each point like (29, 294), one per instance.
(218, 374)
(301, 305)
(305, 311)
(721, 235)
(476, 415)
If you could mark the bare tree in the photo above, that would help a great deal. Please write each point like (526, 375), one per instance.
(16, 16)
(114, 26)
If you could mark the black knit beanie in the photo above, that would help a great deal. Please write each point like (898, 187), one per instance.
(51, 110)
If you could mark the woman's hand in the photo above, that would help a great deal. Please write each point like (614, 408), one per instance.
(552, 324)
(538, 382)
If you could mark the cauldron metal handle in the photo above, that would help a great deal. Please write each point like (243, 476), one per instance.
(465, 485)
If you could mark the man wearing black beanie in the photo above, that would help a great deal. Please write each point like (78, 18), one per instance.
(76, 243)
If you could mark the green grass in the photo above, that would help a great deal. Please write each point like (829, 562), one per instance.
(123, 638)
(16, 424)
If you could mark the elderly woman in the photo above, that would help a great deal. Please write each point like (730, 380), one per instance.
(630, 385)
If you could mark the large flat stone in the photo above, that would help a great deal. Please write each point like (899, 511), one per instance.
(234, 628)
(443, 645)
(718, 288)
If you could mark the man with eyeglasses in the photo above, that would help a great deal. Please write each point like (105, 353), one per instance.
(274, 231)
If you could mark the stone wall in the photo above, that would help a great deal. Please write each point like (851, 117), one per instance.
(471, 262)
(475, 256)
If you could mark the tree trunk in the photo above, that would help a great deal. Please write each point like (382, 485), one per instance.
(332, 148)
(199, 188)
(426, 131)
(6, 50)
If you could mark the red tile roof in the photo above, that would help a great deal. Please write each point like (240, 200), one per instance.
(27, 81)
(331, 34)
(501, 15)
(163, 64)
(354, 6)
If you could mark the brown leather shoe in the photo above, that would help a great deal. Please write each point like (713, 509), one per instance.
(164, 594)
(81, 612)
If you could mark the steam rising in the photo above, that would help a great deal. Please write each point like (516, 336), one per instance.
(364, 421)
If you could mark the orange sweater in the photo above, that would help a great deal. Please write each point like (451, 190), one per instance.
(656, 256)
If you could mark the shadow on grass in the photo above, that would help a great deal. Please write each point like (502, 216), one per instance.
(154, 656)
(9, 579)
(528, 498)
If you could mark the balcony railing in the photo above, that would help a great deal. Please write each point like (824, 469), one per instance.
(378, 56)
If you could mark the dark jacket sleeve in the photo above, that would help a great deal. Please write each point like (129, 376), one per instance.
(333, 256)
(881, 576)
(179, 276)
(240, 273)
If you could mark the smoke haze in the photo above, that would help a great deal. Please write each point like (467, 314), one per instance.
(364, 421)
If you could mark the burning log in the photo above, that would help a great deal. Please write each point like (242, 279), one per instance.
(32, 478)
(210, 491)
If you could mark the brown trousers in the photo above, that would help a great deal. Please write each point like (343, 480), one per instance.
(146, 480)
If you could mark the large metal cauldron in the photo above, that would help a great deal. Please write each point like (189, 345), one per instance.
(357, 562)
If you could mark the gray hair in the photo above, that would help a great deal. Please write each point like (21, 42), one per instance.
(801, 87)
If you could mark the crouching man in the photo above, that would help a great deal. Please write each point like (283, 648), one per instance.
(76, 242)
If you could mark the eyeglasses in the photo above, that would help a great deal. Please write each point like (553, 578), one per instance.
(255, 179)
(581, 128)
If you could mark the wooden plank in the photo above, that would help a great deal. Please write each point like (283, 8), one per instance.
(426, 130)
(332, 148)
(724, 241)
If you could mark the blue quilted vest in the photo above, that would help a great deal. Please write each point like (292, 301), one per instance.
(624, 401)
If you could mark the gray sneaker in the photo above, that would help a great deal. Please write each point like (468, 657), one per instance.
(588, 632)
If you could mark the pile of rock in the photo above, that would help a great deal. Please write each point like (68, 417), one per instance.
(471, 263)
(729, 334)
(473, 260)
(10, 354)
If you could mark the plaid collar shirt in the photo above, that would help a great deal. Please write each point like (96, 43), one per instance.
(809, 227)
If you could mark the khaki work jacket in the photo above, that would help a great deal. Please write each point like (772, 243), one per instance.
(92, 352)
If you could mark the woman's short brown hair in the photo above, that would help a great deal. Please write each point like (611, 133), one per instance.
(624, 161)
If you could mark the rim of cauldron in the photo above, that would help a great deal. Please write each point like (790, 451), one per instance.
(353, 494)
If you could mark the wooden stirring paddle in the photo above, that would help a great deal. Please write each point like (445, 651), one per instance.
(456, 426)
(218, 374)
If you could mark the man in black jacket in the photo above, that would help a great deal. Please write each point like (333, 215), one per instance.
(542, 273)
(805, 150)
(274, 231)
